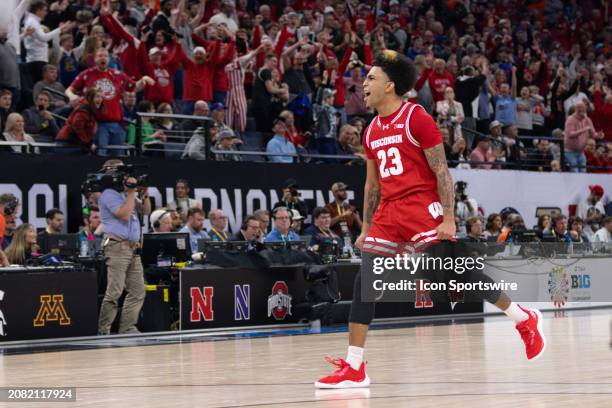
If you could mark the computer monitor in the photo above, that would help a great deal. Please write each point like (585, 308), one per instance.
(275, 245)
(64, 245)
(206, 245)
(524, 236)
(171, 247)
(240, 246)
(297, 245)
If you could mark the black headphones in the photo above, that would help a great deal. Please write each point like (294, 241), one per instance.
(277, 209)
(157, 224)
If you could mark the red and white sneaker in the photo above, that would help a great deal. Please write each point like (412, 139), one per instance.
(345, 376)
(532, 333)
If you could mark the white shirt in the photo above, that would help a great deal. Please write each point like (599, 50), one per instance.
(13, 27)
(584, 207)
(603, 235)
(36, 44)
(222, 18)
(9, 137)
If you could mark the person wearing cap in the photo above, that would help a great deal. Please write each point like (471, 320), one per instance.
(297, 221)
(162, 71)
(594, 200)
(207, 58)
(344, 216)
(226, 141)
(161, 221)
(320, 230)
(279, 143)
(291, 198)
(482, 153)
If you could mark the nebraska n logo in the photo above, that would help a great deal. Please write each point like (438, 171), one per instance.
(51, 309)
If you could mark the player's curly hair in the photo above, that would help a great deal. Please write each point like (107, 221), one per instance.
(399, 69)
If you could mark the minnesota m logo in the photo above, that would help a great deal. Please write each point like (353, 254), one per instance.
(51, 310)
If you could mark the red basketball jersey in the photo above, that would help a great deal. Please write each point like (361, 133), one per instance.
(397, 142)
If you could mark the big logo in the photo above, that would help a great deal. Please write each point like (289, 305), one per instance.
(558, 285)
(51, 310)
(202, 304)
(279, 302)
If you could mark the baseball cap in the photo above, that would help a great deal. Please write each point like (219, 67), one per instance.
(295, 215)
(494, 124)
(226, 134)
(338, 186)
(154, 51)
(217, 106)
(329, 9)
(596, 189)
(393, 3)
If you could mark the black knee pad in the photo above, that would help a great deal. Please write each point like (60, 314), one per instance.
(361, 312)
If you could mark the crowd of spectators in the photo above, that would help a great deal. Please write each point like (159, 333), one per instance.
(287, 76)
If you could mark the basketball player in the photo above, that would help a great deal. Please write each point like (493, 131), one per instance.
(408, 199)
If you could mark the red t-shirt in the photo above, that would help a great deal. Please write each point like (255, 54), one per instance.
(397, 142)
(112, 83)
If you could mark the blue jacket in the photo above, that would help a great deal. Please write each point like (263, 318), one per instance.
(280, 144)
(275, 236)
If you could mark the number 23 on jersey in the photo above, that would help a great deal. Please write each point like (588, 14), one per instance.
(390, 162)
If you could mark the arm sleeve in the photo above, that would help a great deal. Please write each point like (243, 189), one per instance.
(423, 128)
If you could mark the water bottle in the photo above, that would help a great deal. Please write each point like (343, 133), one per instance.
(84, 246)
(347, 251)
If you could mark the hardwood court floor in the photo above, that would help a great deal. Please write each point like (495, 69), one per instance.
(459, 365)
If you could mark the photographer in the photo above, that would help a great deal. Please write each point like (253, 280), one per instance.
(291, 198)
(121, 227)
(465, 207)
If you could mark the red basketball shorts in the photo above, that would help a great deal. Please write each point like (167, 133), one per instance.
(409, 220)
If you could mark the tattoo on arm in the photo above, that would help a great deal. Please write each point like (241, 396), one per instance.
(437, 163)
(372, 200)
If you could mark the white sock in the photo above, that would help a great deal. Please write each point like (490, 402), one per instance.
(516, 313)
(354, 357)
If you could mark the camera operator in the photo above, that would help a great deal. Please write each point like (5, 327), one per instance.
(291, 198)
(121, 227)
(465, 207)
